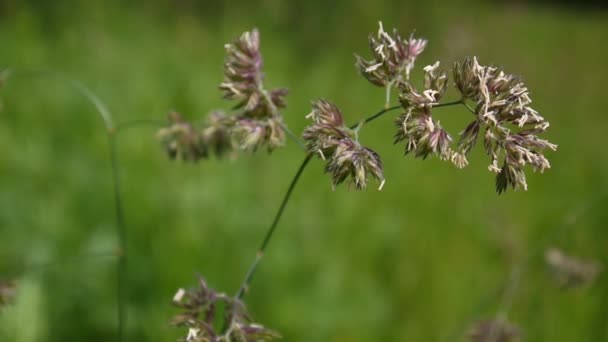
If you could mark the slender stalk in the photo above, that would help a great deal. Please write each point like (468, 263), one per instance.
(100, 107)
(452, 103)
(111, 129)
(389, 109)
(121, 231)
(269, 233)
(387, 102)
(121, 228)
(273, 226)
(468, 107)
(377, 115)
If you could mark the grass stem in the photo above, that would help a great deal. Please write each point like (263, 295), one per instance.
(269, 233)
(111, 130)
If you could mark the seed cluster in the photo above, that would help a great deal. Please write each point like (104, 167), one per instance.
(394, 57)
(497, 330)
(333, 141)
(510, 126)
(200, 308)
(570, 271)
(8, 292)
(501, 103)
(416, 126)
(255, 122)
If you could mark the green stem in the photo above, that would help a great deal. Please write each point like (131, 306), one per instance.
(269, 233)
(121, 231)
(375, 116)
(387, 100)
(100, 107)
(389, 109)
(111, 129)
(446, 104)
(260, 253)
(468, 107)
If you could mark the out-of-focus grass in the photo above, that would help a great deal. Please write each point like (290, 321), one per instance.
(418, 261)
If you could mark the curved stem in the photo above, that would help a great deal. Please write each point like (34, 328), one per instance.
(468, 107)
(375, 116)
(273, 226)
(260, 253)
(389, 109)
(100, 107)
(446, 104)
(121, 229)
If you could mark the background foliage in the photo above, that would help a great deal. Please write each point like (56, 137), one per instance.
(418, 261)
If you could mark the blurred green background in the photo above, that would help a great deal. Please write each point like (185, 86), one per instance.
(419, 261)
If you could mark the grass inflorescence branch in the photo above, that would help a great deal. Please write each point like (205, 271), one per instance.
(503, 119)
(500, 103)
(270, 231)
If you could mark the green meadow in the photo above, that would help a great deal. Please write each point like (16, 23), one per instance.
(422, 260)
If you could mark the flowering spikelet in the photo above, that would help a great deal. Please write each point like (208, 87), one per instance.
(8, 291)
(216, 134)
(251, 134)
(510, 125)
(394, 57)
(243, 69)
(327, 130)
(570, 271)
(423, 134)
(243, 78)
(200, 308)
(435, 85)
(181, 140)
(494, 331)
(468, 137)
(355, 161)
(257, 122)
(324, 112)
(330, 138)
